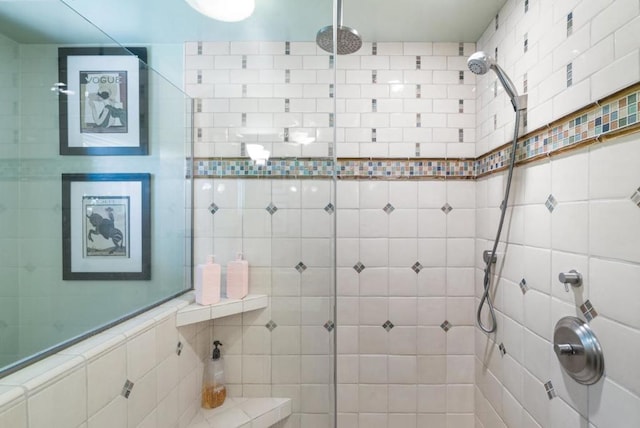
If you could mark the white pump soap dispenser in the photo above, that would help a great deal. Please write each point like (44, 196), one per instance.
(237, 278)
(207, 286)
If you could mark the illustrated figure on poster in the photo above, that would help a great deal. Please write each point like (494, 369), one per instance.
(103, 237)
(104, 102)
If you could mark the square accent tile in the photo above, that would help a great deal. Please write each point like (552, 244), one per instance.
(446, 208)
(388, 325)
(329, 325)
(301, 267)
(636, 197)
(330, 209)
(551, 392)
(271, 325)
(551, 203)
(417, 267)
(126, 389)
(213, 208)
(446, 325)
(588, 310)
(271, 209)
(359, 267)
(523, 286)
(388, 208)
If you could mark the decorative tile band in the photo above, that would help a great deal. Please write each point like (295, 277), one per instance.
(246, 168)
(409, 168)
(345, 168)
(604, 119)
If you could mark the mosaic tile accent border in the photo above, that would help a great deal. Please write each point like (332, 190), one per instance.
(346, 168)
(243, 167)
(409, 168)
(613, 115)
(605, 119)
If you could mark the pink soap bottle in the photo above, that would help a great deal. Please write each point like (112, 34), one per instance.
(237, 278)
(208, 282)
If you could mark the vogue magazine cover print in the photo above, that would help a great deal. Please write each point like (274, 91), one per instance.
(103, 106)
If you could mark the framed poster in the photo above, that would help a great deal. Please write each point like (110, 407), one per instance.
(102, 101)
(106, 231)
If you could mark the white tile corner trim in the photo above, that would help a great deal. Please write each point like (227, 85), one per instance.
(195, 313)
(244, 413)
(159, 364)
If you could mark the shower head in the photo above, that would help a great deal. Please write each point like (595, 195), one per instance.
(480, 63)
(348, 39)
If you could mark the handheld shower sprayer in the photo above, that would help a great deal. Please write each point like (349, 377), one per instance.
(481, 63)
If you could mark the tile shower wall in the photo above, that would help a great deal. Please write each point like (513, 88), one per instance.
(405, 249)
(405, 303)
(564, 55)
(392, 99)
(84, 385)
(284, 229)
(573, 211)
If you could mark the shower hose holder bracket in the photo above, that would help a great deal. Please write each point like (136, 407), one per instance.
(522, 101)
(486, 255)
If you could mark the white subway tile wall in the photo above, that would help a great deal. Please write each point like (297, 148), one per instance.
(593, 227)
(602, 61)
(405, 94)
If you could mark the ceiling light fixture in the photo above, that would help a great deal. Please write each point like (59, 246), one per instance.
(224, 10)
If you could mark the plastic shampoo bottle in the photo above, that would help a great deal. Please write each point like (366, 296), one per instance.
(208, 282)
(213, 390)
(237, 278)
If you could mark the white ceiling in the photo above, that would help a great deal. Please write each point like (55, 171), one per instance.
(173, 21)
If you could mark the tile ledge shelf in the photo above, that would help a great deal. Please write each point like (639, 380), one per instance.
(244, 413)
(194, 313)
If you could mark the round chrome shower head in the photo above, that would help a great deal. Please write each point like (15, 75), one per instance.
(349, 40)
(479, 62)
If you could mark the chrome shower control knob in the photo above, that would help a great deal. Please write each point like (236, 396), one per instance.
(578, 350)
(567, 349)
(572, 277)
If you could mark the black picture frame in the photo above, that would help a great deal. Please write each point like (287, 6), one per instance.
(103, 101)
(106, 226)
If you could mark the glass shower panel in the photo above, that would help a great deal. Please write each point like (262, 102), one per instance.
(9, 136)
(264, 186)
(44, 311)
